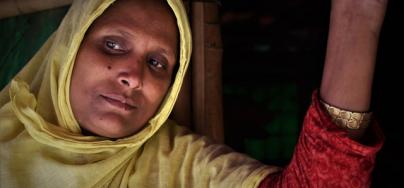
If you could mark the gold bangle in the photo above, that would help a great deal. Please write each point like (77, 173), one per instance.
(347, 119)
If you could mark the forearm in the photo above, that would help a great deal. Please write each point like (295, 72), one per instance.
(351, 54)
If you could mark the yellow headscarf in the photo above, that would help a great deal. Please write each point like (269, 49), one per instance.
(41, 144)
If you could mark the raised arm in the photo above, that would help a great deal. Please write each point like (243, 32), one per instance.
(351, 52)
(324, 155)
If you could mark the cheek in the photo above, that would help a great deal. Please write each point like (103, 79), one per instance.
(75, 102)
(156, 92)
(77, 84)
(83, 72)
(76, 94)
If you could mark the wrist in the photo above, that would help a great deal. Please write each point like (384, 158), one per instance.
(348, 119)
(354, 123)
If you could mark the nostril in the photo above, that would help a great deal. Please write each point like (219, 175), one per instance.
(125, 82)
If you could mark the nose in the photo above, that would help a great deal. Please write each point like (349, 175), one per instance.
(131, 77)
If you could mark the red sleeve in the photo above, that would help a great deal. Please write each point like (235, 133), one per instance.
(326, 157)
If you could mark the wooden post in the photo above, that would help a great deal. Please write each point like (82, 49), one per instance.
(207, 70)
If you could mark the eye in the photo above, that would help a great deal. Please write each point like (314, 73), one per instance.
(156, 64)
(112, 46)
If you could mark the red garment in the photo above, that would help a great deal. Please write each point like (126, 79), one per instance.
(326, 157)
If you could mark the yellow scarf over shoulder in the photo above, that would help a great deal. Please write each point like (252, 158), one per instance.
(41, 144)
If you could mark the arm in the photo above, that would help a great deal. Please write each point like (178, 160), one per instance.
(351, 53)
(324, 155)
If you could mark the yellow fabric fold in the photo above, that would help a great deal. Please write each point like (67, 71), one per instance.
(41, 144)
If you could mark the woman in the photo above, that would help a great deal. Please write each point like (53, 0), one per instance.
(90, 109)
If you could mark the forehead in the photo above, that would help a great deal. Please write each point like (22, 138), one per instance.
(146, 18)
(156, 12)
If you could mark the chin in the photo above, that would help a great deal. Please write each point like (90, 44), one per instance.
(110, 128)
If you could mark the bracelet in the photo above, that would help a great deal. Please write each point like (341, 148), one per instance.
(347, 119)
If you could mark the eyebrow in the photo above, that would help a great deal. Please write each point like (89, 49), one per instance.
(125, 33)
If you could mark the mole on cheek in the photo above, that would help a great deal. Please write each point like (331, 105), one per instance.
(110, 62)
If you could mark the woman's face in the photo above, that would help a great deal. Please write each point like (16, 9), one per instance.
(123, 68)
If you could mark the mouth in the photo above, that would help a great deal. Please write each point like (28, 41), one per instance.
(118, 101)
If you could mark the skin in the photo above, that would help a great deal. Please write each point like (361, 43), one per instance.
(124, 67)
(351, 55)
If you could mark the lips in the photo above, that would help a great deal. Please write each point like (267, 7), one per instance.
(119, 101)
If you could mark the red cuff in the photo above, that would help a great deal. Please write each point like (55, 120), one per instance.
(323, 124)
(326, 157)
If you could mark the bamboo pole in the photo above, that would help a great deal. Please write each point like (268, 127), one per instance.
(10, 8)
(206, 71)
